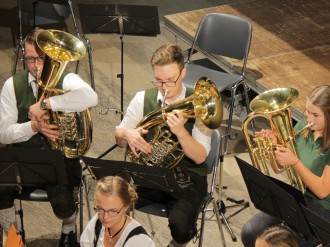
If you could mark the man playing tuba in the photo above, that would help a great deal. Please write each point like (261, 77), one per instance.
(23, 124)
(194, 139)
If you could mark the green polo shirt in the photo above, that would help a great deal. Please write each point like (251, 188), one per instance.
(309, 154)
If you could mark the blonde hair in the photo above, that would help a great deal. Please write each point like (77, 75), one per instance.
(114, 185)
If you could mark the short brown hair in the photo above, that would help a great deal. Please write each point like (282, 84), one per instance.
(168, 54)
(30, 38)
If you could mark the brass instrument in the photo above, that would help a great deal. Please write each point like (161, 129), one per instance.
(204, 103)
(75, 127)
(274, 105)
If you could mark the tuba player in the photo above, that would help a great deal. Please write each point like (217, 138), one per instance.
(22, 124)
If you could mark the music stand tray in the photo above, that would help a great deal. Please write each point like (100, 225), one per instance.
(140, 20)
(31, 167)
(270, 198)
(150, 177)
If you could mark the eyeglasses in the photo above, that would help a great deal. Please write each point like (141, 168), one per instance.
(110, 212)
(33, 59)
(169, 83)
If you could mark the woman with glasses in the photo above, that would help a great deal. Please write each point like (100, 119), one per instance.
(111, 225)
(193, 136)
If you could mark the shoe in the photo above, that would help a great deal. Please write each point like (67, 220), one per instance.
(68, 240)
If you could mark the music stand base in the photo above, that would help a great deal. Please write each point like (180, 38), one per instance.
(221, 207)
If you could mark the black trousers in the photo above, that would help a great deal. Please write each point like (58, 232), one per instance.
(183, 206)
(63, 198)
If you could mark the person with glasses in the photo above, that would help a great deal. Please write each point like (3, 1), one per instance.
(194, 137)
(111, 225)
(23, 125)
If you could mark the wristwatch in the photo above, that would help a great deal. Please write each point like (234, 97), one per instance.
(43, 104)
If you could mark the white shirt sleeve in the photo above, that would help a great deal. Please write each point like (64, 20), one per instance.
(80, 97)
(134, 112)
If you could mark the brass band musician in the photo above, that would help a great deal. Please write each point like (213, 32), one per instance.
(312, 163)
(168, 67)
(23, 124)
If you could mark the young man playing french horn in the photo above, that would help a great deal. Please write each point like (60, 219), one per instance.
(193, 136)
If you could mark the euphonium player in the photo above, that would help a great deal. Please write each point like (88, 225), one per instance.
(168, 67)
(312, 163)
(22, 124)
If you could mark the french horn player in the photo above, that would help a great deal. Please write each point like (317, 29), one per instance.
(162, 108)
(312, 163)
(24, 122)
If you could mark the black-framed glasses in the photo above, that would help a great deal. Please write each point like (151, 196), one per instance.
(169, 83)
(110, 212)
(33, 59)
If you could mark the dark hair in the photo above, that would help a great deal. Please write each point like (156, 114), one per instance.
(168, 54)
(320, 97)
(279, 236)
(114, 185)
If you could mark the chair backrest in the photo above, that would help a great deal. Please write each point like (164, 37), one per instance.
(212, 159)
(223, 34)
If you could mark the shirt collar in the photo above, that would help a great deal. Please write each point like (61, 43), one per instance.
(30, 78)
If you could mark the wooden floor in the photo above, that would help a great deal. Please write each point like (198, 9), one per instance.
(290, 42)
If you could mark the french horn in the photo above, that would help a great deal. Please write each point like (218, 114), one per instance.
(205, 103)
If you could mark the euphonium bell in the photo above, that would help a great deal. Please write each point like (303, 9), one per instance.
(205, 103)
(274, 105)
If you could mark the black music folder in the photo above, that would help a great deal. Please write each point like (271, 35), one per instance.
(269, 196)
(145, 176)
(139, 20)
(320, 226)
(31, 167)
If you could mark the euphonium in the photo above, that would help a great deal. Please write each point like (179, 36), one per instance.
(75, 127)
(274, 105)
(205, 103)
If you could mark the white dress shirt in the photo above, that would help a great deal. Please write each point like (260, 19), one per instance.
(88, 235)
(80, 97)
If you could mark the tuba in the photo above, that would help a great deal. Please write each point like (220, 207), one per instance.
(75, 127)
(205, 103)
(274, 105)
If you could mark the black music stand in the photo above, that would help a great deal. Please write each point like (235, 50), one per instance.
(272, 199)
(31, 167)
(146, 176)
(320, 226)
(137, 20)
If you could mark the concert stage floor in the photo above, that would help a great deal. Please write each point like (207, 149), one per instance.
(271, 64)
(290, 42)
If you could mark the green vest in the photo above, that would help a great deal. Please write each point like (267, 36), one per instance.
(25, 98)
(151, 104)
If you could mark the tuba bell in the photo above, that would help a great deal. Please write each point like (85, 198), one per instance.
(274, 105)
(205, 103)
(75, 127)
